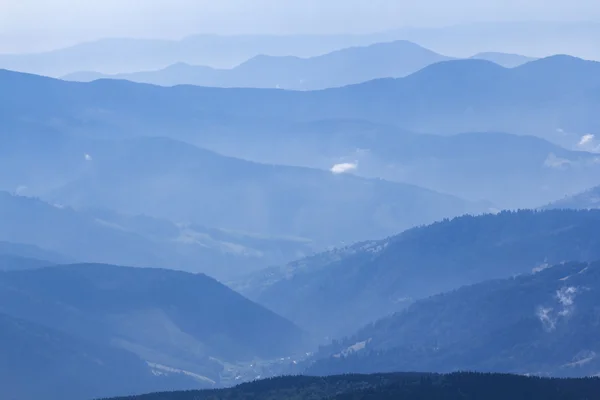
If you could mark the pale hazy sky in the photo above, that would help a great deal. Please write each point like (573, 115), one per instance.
(38, 24)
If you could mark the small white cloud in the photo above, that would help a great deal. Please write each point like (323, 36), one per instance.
(343, 168)
(587, 139)
(88, 157)
(552, 161)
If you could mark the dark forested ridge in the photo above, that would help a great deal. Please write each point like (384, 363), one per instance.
(544, 323)
(409, 386)
(331, 293)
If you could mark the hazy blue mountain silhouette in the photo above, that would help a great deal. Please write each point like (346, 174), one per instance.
(105, 236)
(541, 324)
(547, 98)
(506, 60)
(174, 180)
(512, 171)
(173, 319)
(331, 293)
(130, 55)
(467, 165)
(339, 68)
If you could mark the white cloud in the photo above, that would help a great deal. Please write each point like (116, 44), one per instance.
(586, 139)
(589, 143)
(88, 157)
(343, 168)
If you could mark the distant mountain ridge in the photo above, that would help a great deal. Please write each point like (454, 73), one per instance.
(444, 98)
(115, 55)
(128, 55)
(448, 97)
(180, 182)
(504, 59)
(511, 171)
(339, 68)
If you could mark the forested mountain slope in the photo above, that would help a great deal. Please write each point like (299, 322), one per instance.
(544, 323)
(331, 293)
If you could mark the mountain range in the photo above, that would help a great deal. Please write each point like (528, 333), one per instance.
(177, 181)
(554, 98)
(339, 68)
(512, 171)
(160, 177)
(124, 55)
(539, 324)
(357, 229)
(115, 55)
(244, 122)
(336, 292)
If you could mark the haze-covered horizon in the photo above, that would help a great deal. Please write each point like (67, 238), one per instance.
(36, 25)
